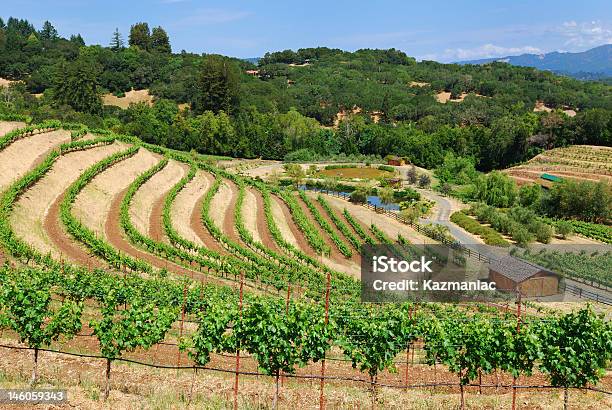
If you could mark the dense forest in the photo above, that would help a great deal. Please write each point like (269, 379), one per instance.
(288, 105)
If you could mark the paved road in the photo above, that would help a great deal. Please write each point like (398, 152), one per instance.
(441, 216)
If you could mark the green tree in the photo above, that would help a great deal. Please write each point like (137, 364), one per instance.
(117, 43)
(458, 170)
(48, 32)
(296, 173)
(140, 36)
(530, 195)
(76, 85)
(412, 175)
(160, 41)
(495, 189)
(386, 195)
(360, 194)
(77, 39)
(217, 86)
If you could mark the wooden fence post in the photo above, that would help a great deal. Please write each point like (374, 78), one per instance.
(238, 347)
(322, 396)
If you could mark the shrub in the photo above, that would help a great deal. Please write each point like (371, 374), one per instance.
(488, 235)
(543, 232)
(520, 235)
(387, 168)
(424, 181)
(564, 228)
(359, 195)
(407, 194)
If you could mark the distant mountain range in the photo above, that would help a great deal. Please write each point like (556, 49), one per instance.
(595, 63)
(253, 60)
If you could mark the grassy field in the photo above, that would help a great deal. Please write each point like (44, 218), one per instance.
(356, 172)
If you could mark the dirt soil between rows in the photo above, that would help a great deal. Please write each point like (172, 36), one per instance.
(262, 224)
(33, 214)
(24, 154)
(135, 387)
(147, 204)
(93, 203)
(184, 205)
(250, 215)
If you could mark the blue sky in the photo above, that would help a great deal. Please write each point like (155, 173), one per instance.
(441, 30)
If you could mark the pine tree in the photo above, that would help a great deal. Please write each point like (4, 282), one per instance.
(116, 43)
(48, 32)
(217, 85)
(77, 39)
(160, 41)
(140, 36)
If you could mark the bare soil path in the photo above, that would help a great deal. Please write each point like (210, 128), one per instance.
(200, 230)
(261, 223)
(147, 205)
(35, 216)
(229, 222)
(184, 205)
(287, 225)
(250, 214)
(115, 235)
(93, 204)
(222, 207)
(24, 154)
(64, 243)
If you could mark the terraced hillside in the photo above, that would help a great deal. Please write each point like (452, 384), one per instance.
(579, 162)
(130, 251)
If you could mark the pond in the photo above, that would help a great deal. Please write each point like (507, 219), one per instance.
(372, 199)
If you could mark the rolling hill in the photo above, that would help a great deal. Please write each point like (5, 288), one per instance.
(590, 64)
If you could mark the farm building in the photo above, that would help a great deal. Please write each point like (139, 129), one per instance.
(395, 182)
(395, 160)
(510, 274)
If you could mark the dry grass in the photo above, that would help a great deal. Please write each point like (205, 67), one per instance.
(20, 156)
(357, 172)
(8, 126)
(131, 97)
(31, 209)
(219, 206)
(94, 202)
(183, 205)
(154, 189)
(249, 214)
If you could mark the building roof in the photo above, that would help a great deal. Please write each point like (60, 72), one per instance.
(516, 269)
(550, 177)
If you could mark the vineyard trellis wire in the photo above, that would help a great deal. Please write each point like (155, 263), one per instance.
(354, 326)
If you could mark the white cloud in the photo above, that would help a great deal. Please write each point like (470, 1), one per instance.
(483, 51)
(585, 34)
